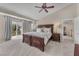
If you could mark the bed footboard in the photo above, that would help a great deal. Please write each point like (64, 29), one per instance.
(27, 39)
(38, 42)
(34, 41)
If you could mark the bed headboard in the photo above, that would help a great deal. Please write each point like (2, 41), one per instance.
(47, 26)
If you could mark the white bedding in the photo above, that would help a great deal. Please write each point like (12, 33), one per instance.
(44, 35)
(17, 48)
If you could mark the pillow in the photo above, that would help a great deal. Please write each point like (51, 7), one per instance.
(39, 29)
(47, 30)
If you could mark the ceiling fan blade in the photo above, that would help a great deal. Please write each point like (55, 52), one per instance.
(40, 10)
(37, 7)
(44, 4)
(50, 7)
(46, 10)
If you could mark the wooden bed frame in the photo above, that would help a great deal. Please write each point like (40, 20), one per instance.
(37, 41)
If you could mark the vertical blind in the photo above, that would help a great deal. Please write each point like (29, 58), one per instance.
(8, 26)
(26, 26)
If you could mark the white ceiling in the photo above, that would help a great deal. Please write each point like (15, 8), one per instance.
(28, 9)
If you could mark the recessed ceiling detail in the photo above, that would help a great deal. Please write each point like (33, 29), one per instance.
(28, 9)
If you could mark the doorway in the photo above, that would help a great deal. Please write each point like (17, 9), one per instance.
(68, 29)
(17, 30)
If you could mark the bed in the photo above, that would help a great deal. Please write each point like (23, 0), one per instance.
(17, 48)
(38, 39)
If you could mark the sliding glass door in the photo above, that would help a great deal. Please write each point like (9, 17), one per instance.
(13, 29)
(16, 28)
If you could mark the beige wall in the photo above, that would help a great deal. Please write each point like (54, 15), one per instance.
(68, 12)
(1, 28)
(76, 26)
(77, 10)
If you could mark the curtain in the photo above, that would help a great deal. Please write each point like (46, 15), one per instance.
(8, 25)
(26, 26)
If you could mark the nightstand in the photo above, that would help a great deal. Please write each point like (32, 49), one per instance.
(56, 37)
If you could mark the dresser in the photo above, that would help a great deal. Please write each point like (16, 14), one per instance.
(76, 50)
(56, 37)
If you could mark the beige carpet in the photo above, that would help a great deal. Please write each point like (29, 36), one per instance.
(64, 48)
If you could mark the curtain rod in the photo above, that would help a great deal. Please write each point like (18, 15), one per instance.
(14, 16)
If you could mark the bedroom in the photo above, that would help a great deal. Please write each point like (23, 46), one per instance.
(57, 26)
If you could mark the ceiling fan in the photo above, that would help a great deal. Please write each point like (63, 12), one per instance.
(44, 7)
